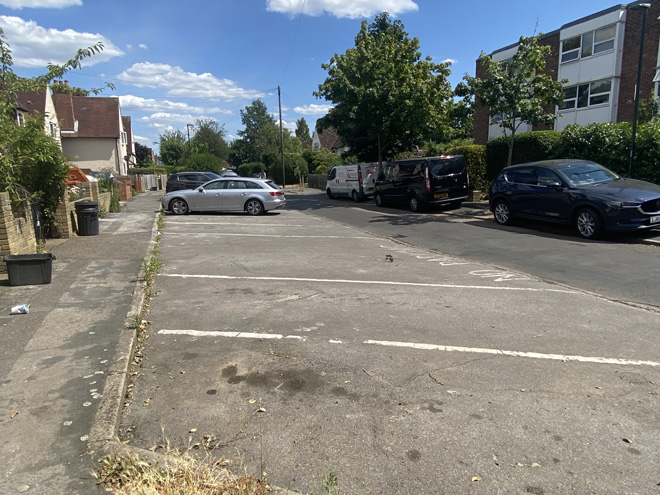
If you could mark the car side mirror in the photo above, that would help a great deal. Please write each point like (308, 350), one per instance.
(555, 184)
(201, 189)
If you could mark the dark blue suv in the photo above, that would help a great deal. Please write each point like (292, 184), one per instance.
(576, 192)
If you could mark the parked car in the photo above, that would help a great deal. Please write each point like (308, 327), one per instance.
(188, 180)
(255, 196)
(352, 181)
(422, 182)
(226, 172)
(579, 192)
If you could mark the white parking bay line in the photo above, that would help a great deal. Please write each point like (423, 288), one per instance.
(237, 335)
(221, 234)
(368, 282)
(533, 355)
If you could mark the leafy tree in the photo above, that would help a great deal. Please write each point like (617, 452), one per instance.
(261, 133)
(210, 138)
(302, 131)
(321, 161)
(172, 147)
(143, 154)
(30, 160)
(387, 98)
(204, 162)
(518, 90)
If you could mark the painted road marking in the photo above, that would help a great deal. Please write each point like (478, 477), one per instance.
(500, 352)
(424, 347)
(243, 224)
(209, 234)
(236, 335)
(368, 282)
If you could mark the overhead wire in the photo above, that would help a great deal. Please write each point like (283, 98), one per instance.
(293, 44)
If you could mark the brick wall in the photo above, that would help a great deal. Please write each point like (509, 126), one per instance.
(630, 59)
(481, 118)
(67, 222)
(551, 69)
(16, 230)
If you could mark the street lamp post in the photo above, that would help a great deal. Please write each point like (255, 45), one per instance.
(644, 8)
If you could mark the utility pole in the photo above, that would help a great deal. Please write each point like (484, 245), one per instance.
(279, 101)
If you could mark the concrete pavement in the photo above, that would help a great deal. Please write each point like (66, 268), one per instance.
(57, 360)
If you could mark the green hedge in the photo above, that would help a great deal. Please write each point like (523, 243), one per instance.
(248, 169)
(475, 156)
(608, 144)
(527, 147)
(148, 171)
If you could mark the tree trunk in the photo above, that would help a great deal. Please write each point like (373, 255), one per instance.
(513, 135)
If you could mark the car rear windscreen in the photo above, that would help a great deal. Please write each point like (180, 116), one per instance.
(447, 166)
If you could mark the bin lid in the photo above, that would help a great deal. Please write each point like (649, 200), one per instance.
(86, 204)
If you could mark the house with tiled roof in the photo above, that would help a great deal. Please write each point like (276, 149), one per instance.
(32, 103)
(93, 132)
(329, 139)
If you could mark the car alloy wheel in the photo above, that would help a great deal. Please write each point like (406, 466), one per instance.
(588, 224)
(414, 204)
(329, 193)
(179, 207)
(254, 207)
(355, 196)
(502, 212)
(379, 199)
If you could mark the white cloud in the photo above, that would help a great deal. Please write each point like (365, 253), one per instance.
(136, 103)
(41, 4)
(188, 84)
(143, 46)
(33, 45)
(450, 61)
(313, 109)
(341, 8)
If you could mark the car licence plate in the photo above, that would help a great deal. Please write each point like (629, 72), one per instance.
(655, 219)
(440, 195)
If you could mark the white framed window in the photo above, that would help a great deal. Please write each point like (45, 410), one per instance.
(20, 118)
(588, 44)
(53, 129)
(124, 139)
(587, 95)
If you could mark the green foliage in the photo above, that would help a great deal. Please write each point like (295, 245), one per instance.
(32, 160)
(438, 149)
(298, 163)
(261, 133)
(172, 147)
(209, 138)
(530, 146)
(649, 110)
(518, 90)
(607, 144)
(386, 97)
(475, 157)
(203, 162)
(249, 169)
(321, 161)
(148, 171)
(143, 155)
(115, 206)
(302, 131)
(275, 172)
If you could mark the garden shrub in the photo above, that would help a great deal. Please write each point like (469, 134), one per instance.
(527, 147)
(475, 157)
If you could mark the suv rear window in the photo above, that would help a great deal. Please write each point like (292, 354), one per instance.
(447, 166)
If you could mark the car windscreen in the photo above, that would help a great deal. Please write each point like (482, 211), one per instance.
(582, 174)
(447, 166)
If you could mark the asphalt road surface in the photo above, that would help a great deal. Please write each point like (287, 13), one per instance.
(298, 346)
(619, 267)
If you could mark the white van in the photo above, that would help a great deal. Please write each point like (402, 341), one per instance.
(352, 181)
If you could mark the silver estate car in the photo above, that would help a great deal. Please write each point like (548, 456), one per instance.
(255, 196)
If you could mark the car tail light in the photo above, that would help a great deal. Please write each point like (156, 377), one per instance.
(359, 176)
(275, 193)
(427, 179)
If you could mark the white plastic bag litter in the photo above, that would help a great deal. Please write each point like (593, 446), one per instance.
(21, 309)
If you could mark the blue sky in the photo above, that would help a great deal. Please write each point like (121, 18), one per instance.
(175, 61)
